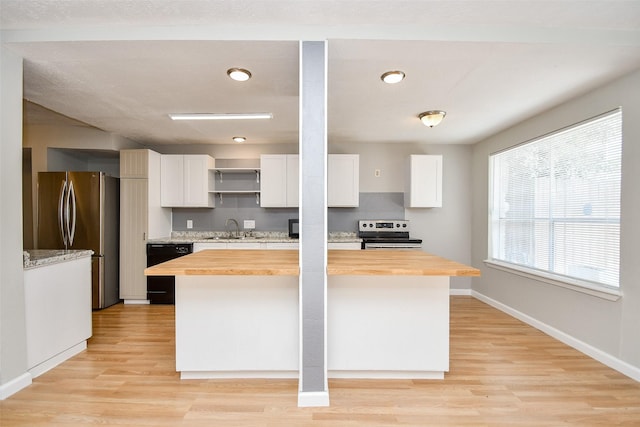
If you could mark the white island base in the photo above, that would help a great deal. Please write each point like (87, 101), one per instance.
(247, 326)
(237, 326)
(388, 327)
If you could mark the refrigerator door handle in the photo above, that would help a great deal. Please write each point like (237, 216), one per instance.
(71, 213)
(61, 212)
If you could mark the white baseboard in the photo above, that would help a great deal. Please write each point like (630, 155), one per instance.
(597, 354)
(454, 291)
(15, 385)
(136, 301)
(57, 359)
(199, 375)
(307, 399)
(386, 375)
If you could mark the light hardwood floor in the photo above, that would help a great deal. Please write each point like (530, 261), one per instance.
(503, 373)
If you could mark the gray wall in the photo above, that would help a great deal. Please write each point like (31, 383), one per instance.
(61, 159)
(445, 231)
(607, 326)
(243, 206)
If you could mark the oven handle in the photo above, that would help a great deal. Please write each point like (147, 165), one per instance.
(392, 246)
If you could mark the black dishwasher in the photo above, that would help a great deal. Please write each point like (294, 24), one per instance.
(161, 289)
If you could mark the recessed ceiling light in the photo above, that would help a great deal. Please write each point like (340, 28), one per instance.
(220, 116)
(239, 139)
(392, 77)
(239, 74)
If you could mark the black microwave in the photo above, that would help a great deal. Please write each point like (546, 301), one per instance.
(294, 232)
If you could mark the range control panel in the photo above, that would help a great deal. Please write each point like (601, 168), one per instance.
(383, 225)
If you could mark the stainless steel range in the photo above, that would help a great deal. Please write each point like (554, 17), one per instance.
(386, 234)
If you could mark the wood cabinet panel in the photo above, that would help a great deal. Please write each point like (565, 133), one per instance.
(141, 218)
(134, 163)
(133, 238)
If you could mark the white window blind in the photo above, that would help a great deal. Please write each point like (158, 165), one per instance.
(555, 202)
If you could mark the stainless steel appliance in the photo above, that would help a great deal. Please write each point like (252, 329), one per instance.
(294, 228)
(386, 234)
(80, 210)
(162, 289)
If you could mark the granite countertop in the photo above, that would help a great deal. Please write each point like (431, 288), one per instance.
(33, 258)
(258, 236)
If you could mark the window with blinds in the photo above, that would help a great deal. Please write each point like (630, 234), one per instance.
(555, 203)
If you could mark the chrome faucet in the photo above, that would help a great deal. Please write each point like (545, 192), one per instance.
(237, 226)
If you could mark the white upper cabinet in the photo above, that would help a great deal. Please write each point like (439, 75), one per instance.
(172, 180)
(187, 181)
(293, 178)
(343, 176)
(423, 182)
(279, 180)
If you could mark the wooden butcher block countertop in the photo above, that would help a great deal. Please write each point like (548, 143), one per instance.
(285, 263)
(230, 262)
(394, 262)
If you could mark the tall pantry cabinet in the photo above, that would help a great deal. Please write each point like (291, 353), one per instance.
(141, 218)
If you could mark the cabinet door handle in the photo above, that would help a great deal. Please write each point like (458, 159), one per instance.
(144, 236)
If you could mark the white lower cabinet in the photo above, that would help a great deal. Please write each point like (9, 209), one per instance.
(197, 247)
(244, 245)
(283, 245)
(347, 246)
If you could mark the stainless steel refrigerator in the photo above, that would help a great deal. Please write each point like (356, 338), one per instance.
(81, 210)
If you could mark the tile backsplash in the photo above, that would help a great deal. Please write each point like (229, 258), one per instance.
(243, 207)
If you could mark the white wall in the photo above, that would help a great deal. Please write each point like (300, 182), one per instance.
(606, 327)
(13, 348)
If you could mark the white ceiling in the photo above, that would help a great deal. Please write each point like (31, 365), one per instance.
(122, 66)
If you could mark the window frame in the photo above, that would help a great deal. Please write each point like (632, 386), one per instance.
(544, 276)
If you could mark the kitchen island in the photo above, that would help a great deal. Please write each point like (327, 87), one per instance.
(237, 313)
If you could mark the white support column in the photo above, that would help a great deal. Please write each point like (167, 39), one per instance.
(313, 386)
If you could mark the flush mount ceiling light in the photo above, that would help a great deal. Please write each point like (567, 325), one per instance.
(220, 116)
(432, 118)
(392, 77)
(239, 74)
(239, 139)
